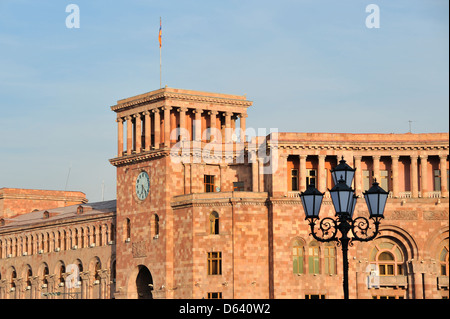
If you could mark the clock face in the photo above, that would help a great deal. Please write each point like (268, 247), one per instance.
(142, 185)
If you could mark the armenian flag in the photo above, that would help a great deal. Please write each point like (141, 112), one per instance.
(160, 32)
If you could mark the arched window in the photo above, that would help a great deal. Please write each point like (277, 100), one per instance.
(298, 262)
(156, 225)
(13, 277)
(76, 237)
(45, 276)
(214, 223)
(388, 258)
(112, 232)
(329, 254)
(127, 229)
(313, 258)
(113, 271)
(28, 278)
(62, 270)
(443, 260)
(97, 271)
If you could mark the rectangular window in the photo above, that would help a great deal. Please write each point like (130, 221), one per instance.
(294, 179)
(330, 260)
(384, 180)
(311, 177)
(214, 295)
(214, 263)
(386, 269)
(238, 186)
(209, 183)
(437, 180)
(313, 260)
(298, 260)
(366, 179)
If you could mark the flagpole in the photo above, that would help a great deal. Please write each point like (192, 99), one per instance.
(160, 69)
(160, 60)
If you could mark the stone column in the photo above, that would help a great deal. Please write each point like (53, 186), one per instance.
(243, 118)
(167, 126)
(147, 131)
(157, 125)
(302, 173)
(395, 186)
(138, 132)
(358, 175)
(414, 177)
(198, 125)
(261, 175)
(214, 130)
(182, 111)
(129, 135)
(255, 179)
(322, 177)
(228, 128)
(424, 175)
(443, 168)
(119, 121)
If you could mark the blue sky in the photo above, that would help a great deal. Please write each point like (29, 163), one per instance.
(308, 66)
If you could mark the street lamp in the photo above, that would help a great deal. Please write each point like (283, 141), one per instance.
(344, 201)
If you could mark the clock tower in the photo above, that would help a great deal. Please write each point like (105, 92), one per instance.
(150, 127)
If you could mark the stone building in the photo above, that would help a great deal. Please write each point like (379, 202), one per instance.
(207, 209)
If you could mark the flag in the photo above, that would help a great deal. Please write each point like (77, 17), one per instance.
(160, 33)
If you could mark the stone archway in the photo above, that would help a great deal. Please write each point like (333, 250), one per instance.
(140, 283)
(144, 283)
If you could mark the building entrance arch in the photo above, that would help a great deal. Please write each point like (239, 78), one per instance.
(140, 284)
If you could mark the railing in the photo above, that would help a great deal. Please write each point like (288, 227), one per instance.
(296, 194)
(442, 282)
(434, 194)
(403, 195)
(393, 281)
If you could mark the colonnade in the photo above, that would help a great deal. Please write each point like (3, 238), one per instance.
(154, 129)
(411, 179)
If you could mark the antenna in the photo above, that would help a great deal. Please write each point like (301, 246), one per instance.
(410, 122)
(103, 190)
(68, 174)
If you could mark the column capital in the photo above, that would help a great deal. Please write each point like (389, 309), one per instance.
(302, 156)
(195, 111)
(414, 156)
(243, 115)
(357, 157)
(120, 120)
(321, 156)
(155, 110)
(182, 109)
(146, 112)
(136, 115)
(213, 112)
(166, 107)
(127, 118)
(377, 157)
(423, 156)
(227, 113)
(396, 157)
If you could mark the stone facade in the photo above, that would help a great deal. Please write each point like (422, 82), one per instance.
(223, 217)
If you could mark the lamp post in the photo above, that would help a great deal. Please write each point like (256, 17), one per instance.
(344, 201)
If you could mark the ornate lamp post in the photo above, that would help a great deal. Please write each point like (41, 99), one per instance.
(344, 202)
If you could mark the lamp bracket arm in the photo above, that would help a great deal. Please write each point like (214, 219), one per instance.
(364, 230)
(327, 227)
